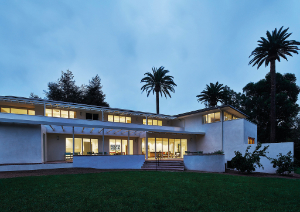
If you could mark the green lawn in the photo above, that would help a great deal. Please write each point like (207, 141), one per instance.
(149, 191)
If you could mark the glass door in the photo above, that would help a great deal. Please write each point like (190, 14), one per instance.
(177, 148)
(86, 146)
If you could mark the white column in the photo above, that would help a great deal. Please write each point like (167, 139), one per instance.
(146, 120)
(181, 154)
(168, 148)
(146, 145)
(103, 141)
(155, 147)
(73, 142)
(128, 143)
(102, 116)
(44, 109)
(222, 119)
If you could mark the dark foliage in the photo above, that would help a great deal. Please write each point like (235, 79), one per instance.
(249, 161)
(66, 90)
(212, 94)
(256, 103)
(268, 51)
(284, 163)
(93, 94)
(159, 82)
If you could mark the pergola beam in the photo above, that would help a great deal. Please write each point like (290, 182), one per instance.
(52, 128)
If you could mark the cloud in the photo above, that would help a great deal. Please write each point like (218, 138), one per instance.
(198, 41)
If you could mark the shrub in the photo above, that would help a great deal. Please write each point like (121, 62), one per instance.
(284, 163)
(249, 161)
(218, 152)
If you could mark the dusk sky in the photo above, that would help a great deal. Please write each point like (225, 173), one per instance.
(199, 42)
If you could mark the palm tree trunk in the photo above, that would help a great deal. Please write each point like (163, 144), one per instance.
(273, 104)
(157, 102)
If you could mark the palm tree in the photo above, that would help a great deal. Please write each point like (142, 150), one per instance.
(212, 94)
(268, 51)
(158, 82)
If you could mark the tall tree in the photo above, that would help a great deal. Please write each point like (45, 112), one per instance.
(65, 89)
(159, 82)
(93, 94)
(212, 94)
(257, 103)
(268, 51)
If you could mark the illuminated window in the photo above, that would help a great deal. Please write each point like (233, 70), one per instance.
(72, 114)
(31, 112)
(49, 112)
(110, 118)
(153, 122)
(5, 110)
(17, 111)
(251, 140)
(228, 116)
(56, 113)
(122, 119)
(116, 118)
(211, 118)
(59, 113)
(64, 114)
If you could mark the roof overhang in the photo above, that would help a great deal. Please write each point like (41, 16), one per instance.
(227, 108)
(70, 105)
(43, 120)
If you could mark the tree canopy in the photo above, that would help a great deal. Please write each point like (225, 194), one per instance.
(65, 89)
(255, 102)
(159, 82)
(212, 94)
(268, 51)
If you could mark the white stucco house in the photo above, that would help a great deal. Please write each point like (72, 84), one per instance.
(42, 133)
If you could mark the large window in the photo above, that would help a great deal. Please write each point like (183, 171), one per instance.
(122, 119)
(119, 147)
(60, 113)
(251, 140)
(153, 122)
(17, 111)
(165, 148)
(83, 146)
(228, 116)
(211, 118)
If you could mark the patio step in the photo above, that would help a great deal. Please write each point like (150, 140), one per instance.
(163, 165)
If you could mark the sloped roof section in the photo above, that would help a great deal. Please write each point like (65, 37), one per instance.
(228, 108)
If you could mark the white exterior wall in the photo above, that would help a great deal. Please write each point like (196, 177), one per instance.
(109, 162)
(20, 143)
(209, 163)
(236, 133)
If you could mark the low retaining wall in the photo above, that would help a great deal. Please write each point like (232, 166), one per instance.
(109, 161)
(209, 163)
(24, 167)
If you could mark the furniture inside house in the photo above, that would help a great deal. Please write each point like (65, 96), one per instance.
(68, 156)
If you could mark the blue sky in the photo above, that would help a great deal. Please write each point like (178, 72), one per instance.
(197, 41)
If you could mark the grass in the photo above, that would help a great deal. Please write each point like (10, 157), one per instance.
(149, 191)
